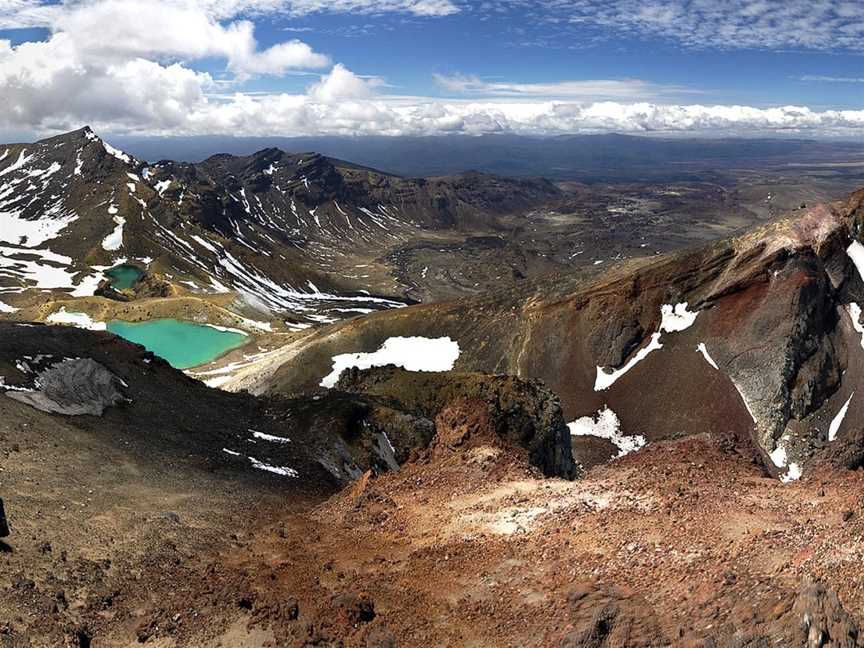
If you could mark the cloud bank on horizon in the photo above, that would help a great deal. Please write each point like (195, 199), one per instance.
(194, 67)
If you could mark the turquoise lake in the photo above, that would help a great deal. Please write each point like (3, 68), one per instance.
(182, 344)
(123, 277)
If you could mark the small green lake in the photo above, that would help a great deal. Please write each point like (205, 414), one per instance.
(123, 277)
(182, 344)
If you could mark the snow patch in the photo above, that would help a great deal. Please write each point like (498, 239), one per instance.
(269, 437)
(837, 421)
(23, 159)
(606, 425)
(793, 472)
(673, 319)
(114, 241)
(32, 233)
(856, 253)
(48, 271)
(3, 385)
(260, 465)
(81, 320)
(411, 353)
(781, 460)
(117, 153)
(676, 318)
(6, 308)
(854, 311)
(278, 470)
(701, 348)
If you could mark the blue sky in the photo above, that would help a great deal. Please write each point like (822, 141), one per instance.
(407, 52)
(294, 67)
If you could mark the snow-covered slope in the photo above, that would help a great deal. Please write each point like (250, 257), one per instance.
(296, 234)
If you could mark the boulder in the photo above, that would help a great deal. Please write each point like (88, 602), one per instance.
(74, 387)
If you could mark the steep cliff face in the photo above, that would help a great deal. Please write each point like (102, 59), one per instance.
(756, 338)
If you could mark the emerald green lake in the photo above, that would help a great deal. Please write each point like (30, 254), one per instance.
(123, 277)
(182, 344)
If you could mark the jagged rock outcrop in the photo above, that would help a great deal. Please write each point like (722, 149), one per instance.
(823, 622)
(73, 387)
(523, 413)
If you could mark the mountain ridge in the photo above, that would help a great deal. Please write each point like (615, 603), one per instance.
(753, 337)
(282, 230)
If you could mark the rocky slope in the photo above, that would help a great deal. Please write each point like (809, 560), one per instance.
(296, 234)
(105, 383)
(756, 338)
(116, 541)
(391, 507)
(94, 429)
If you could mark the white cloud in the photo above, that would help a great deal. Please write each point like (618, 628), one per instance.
(46, 89)
(830, 79)
(341, 84)
(111, 31)
(713, 24)
(594, 90)
(44, 13)
(432, 8)
(124, 66)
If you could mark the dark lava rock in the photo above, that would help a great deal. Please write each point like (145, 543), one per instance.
(4, 525)
(524, 413)
(811, 618)
(354, 608)
(606, 617)
(380, 637)
(823, 620)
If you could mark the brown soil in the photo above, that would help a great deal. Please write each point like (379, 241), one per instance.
(683, 543)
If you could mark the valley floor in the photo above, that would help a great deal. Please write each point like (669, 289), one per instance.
(684, 543)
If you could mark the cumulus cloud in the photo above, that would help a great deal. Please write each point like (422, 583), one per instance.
(714, 24)
(44, 13)
(340, 84)
(114, 31)
(145, 97)
(124, 67)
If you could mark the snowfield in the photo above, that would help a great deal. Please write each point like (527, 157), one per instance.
(81, 320)
(411, 353)
(114, 241)
(32, 233)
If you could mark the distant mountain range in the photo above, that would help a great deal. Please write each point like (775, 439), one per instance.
(589, 158)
